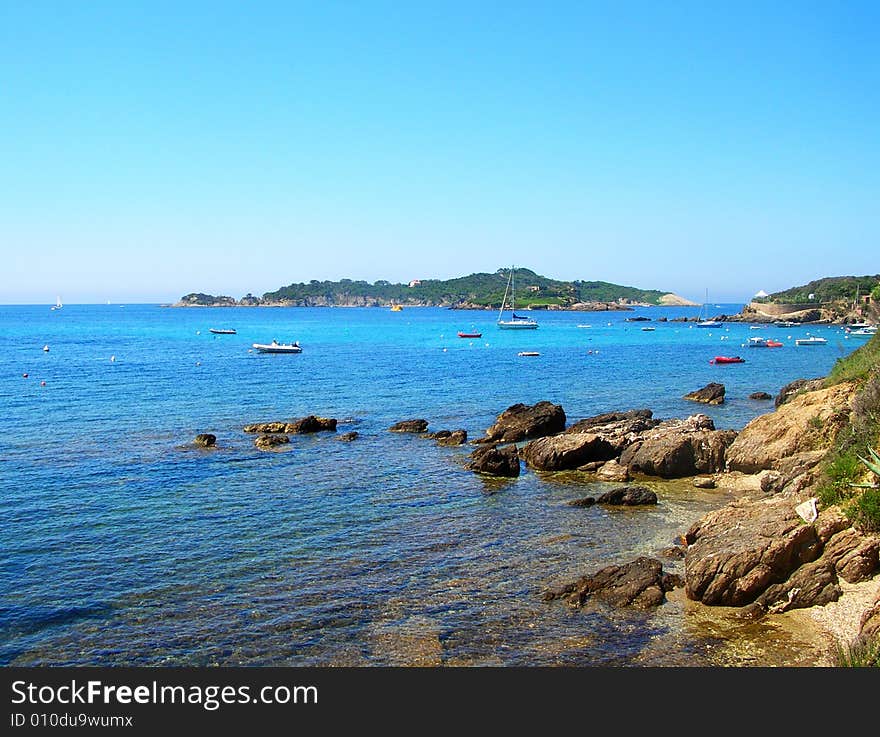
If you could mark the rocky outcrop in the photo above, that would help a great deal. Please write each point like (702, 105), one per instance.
(619, 429)
(679, 448)
(347, 437)
(712, 393)
(206, 440)
(414, 426)
(269, 442)
(735, 553)
(495, 461)
(761, 554)
(641, 584)
(869, 623)
(760, 395)
(522, 421)
(566, 451)
(797, 386)
(804, 423)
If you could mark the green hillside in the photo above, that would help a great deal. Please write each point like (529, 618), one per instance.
(481, 289)
(829, 289)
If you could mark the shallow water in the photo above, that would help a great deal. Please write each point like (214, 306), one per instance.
(125, 544)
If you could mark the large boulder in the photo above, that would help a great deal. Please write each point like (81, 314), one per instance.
(641, 583)
(456, 437)
(869, 622)
(712, 393)
(808, 422)
(855, 556)
(813, 584)
(736, 553)
(617, 428)
(522, 421)
(679, 448)
(566, 451)
(495, 461)
(612, 471)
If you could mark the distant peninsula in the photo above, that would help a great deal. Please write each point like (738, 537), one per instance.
(476, 291)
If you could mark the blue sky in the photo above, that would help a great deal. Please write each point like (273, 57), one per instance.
(152, 149)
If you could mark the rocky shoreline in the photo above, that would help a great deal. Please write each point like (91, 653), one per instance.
(772, 551)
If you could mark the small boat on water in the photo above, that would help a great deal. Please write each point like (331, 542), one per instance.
(528, 353)
(470, 335)
(276, 347)
(703, 320)
(865, 332)
(57, 305)
(727, 359)
(764, 343)
(812, 340)
(648, 330)
(516, 322)
(222, 331)
(786, 324)
(397, 308)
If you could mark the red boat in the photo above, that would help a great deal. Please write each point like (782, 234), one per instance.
(727, 359)
(470, 335)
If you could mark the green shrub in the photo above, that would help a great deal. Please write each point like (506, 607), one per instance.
(862, 653)
(864, 510)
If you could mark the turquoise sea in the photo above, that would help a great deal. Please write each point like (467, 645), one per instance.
(124, 544)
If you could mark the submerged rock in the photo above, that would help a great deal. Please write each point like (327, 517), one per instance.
(456, 437)
(495, 461)
(268, 442)
(640, 583)
(628, 496)
(347, 437)
(206, 440)
(760, 395)
(266, 427)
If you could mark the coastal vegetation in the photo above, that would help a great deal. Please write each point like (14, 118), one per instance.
(845, 471)
(479, 290)
(828, 289)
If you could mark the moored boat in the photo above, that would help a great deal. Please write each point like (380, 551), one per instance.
(276, 347)
(727, 359)
(516, 322)
(812, 340)
(470, 335)
(757, 342)
(222, 331)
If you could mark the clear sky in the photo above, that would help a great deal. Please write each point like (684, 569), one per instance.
(150, 149)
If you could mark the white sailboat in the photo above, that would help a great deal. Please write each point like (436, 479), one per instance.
(516, 322)
(703, 321)
(57, 305)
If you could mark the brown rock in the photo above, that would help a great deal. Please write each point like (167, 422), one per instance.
(521, 421)
(628, 496)
(587, 501)
(640, 583)
(206, 440)
(268, 442)
(266, 427)
(416, 426)
(495, 461)
(456, 437)
(808, 422)
(704, 482)
(348, 436)
(612, 471)
(813, 584)
(760, 395)
(855, 556)
(737, 552)
(791, 389)
(712, 393)
(869, 622)
(310, 424)
(566, 451)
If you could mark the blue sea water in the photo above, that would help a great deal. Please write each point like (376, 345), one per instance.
(124, 544)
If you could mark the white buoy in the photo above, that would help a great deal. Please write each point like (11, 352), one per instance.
(46, 348)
